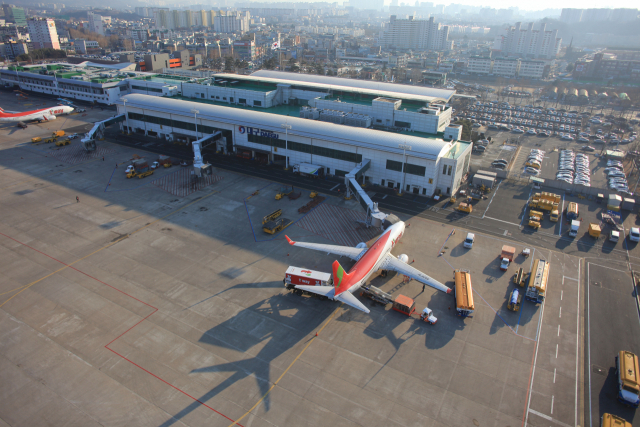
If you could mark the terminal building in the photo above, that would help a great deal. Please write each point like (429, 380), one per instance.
(336, 123)
(282, 118)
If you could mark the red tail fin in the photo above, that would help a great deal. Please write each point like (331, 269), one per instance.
(341, 280)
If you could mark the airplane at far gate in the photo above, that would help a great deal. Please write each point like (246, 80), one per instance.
(40, 115)
(368, 261)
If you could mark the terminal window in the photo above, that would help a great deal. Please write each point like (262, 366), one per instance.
(415, 169)
(400, 124)
(394, 166)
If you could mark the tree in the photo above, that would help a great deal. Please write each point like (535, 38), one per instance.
(569, 68)
(466, 129)
(45, 53)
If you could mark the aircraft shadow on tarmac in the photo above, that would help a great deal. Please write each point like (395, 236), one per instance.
(607, 398)
(260, 326)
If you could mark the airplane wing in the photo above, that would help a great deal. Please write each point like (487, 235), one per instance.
(352, 253)
(328, 291)
(350, 299)
(325, 291)
(392, 263)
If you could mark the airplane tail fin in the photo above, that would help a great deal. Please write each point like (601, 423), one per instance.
(1, 110)
(341, 279)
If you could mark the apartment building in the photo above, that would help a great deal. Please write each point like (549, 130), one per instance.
(572, 16)
(480, 65)
(43, 33)
(605, 69)
(416, 34)
(532, 69)
(506, 67)
(527, 42)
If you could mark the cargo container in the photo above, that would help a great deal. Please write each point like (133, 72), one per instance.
(480, 180)
(554, 215)
(308, 169)
(463, 293)
(614, 202)
(628, 204)
(609, 420)
(303, 276)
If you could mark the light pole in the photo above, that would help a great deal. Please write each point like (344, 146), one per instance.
(126, 116)
(286, 128)
(195, 120)
(404, 147)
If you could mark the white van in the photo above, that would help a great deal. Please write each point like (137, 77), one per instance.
(468, 242)
(614, 236)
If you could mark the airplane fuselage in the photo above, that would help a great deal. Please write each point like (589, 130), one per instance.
(40, 115)
(370, 262)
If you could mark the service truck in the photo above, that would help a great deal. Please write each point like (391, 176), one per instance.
(572, 211)
(463, 293)
(308, 169)
(573, 228)
(506, 257)
(538, 279)
(304, 276)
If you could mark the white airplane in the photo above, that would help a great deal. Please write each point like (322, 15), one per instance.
(40, 115)
(368, 261)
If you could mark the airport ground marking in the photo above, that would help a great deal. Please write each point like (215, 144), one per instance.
(155, 309)
(25, 287)
(275, 383)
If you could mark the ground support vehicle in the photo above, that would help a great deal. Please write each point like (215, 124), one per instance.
(303, 276)
(63, 142)
(427, 316)
(376, 295)
(573, 228)
(144, 174)
(627, 372)
(463, 293)
(464, 207)
(57, 134)
(272, 227)
(608, 420)
(538, 279)
(534, 224)
(520, 278)
(594, 230)
(283, 192)
(515, 299)
(506, 257)
(572, 211)
(22, 125)
(36, 139)
(273, 215)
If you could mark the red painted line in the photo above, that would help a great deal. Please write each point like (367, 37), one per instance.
(155, 309)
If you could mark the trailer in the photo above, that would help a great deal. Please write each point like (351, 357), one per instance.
(303, 276)
(308, 169)
(538, 281)
(572, 211)
(463, 293)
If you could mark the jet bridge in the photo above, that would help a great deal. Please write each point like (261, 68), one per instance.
(198, 165)
(97, 131)
(374, 217)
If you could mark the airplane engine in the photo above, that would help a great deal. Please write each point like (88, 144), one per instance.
(404, 258)
(49, 117)
(361, 245)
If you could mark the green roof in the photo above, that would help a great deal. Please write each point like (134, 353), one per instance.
(457, 149)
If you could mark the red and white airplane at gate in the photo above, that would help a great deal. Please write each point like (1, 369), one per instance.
(43, 114)
(368, 261)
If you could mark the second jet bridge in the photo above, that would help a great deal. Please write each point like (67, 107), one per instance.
(97, 131)
(374, 218)
(198, 161)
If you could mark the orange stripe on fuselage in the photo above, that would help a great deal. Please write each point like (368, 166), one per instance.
(365, 264)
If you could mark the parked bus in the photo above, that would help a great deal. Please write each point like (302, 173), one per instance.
(464, 293)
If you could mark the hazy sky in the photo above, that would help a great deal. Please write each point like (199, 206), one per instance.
(539, 4)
